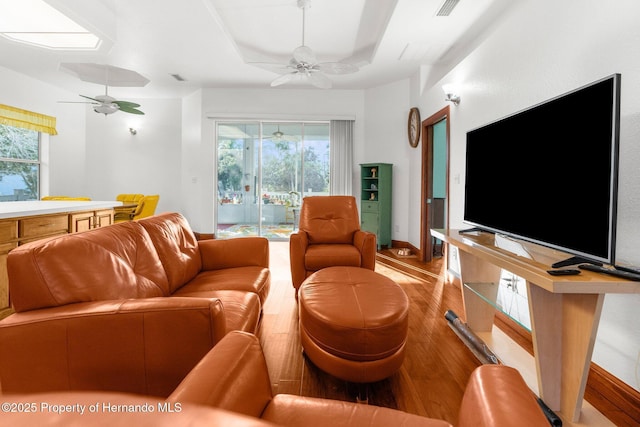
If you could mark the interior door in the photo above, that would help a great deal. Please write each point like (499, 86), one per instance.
(435, 182)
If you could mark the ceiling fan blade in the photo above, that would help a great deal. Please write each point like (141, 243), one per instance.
(131, 110)
(122, 104)
(77, 102)
(319, 80)
(285, 78)
(276, 68)
(93, 99)
(337, 68)
(304, 54)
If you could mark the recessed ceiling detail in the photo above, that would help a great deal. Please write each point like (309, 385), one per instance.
(36, 23)
(269, 30)
(104, 74)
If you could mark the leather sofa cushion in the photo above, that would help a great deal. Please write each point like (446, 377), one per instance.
(247, 279)
(107, 263)
(292, 410)
(241, 309)
(329, 219)
(318, 257)
(354, 313)
(177, 247)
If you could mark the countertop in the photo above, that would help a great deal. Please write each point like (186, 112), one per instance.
(43, 207)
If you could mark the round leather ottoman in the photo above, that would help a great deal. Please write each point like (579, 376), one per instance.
(353, 323)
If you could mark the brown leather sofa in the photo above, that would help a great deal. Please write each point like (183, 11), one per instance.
(329, 235)
(233, 379)
(131, 307)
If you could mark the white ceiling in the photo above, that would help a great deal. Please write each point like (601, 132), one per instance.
(210, 43)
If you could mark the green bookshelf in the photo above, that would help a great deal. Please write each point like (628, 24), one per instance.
(375, 212)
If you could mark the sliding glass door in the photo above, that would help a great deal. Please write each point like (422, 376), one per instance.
(264, 170)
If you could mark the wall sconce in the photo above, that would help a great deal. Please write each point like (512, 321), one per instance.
(450, 94)
(133, 131)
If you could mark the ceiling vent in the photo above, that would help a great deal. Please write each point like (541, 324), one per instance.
(447, 7)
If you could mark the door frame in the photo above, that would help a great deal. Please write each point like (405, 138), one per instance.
(426, 191)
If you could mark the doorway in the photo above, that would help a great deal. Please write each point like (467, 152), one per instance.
(264, 169)
(435, 182)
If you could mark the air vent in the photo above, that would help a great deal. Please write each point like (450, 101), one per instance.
(447, 7)
(178, 77)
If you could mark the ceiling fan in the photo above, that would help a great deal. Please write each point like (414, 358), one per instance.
(109, 76)
(105, 104)
(304, 64)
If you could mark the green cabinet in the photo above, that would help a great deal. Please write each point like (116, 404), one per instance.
(375, 198)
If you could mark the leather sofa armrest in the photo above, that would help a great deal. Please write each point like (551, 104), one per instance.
(496, 395)
(298, 243)
(143, 346)
(238, 252)
(367, 245)
(232, 376)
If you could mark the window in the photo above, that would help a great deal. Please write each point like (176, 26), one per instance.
(19, 164)
(264, 169)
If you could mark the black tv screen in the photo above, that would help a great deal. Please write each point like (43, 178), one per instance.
(549, 174)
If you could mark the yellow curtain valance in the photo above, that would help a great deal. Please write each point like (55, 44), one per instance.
(27, 119)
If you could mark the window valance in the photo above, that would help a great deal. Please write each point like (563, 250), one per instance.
(17, 117)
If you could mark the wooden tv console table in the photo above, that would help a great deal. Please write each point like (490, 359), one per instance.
(565, 310)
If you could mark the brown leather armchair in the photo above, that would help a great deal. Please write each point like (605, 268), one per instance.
(329, 235)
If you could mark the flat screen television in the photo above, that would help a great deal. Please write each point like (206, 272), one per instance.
(548, 174)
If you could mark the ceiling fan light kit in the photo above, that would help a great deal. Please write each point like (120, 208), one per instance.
(304, 65)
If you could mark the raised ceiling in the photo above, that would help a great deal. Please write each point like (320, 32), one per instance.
(211, 43)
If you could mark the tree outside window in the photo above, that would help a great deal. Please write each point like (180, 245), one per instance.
(19, 164)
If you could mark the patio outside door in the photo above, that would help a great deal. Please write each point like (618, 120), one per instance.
(264, 170)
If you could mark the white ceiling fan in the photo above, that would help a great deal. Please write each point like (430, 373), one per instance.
(105, 104)
(109, 76)
(304, 64)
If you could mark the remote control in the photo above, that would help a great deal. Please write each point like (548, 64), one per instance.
(564, 272)
(613, 272)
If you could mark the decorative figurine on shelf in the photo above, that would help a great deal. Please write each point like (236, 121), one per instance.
(374, 187)
(373, 172)
(372, 196)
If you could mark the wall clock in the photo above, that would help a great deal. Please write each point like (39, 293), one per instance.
(413, 127)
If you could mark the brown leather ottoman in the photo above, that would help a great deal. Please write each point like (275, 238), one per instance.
(353, 323)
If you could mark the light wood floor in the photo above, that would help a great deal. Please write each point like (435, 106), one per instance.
(436, 367)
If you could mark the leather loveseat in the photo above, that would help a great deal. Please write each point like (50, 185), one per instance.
(130, 307)
(231, 386)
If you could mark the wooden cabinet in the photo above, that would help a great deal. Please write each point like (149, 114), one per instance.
(375, 201)
(83, 221)
(8, 241)
(38, 227)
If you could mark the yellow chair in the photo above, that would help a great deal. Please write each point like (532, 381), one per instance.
(129, 204)
(146, 207)
(129, 198)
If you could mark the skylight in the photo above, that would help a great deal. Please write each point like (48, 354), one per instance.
(35, 22)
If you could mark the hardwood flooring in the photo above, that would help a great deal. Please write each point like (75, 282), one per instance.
(436, 367)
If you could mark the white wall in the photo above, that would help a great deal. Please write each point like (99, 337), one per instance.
(385, 122)
(148, 162)
(543, 49)
(225, 104)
